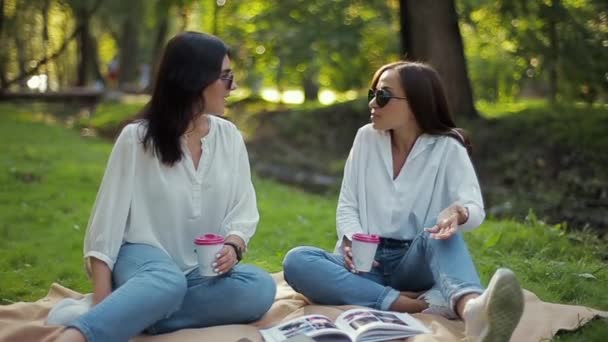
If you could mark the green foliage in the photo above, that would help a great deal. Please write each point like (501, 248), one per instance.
(23, 39)
(332, 43)
(494, 68)
(512, 46)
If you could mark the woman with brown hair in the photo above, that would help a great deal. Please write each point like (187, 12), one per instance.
(409, 180)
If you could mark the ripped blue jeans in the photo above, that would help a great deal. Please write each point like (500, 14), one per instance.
(414, 266)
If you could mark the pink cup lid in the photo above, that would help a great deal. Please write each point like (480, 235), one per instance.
(366, 238)
(209, 239)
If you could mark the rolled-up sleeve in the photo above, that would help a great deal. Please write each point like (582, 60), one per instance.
(110, 212)
(347, 213)
(463, 187)
(242, 217)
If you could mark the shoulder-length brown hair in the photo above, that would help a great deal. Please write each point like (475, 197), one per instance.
(427, 99)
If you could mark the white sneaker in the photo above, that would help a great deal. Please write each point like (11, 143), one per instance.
(438, 305)
(493, 316)
(69, 309)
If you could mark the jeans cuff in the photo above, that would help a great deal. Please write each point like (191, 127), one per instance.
(456, 295)
(83, 328)
(387, 298)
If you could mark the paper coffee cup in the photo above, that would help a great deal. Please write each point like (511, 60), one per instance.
(207, 247)
(364, 249)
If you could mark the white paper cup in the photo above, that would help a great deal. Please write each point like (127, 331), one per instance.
(364, 249)
(207, 247)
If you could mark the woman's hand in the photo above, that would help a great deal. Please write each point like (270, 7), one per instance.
(347, 253)
(227, 257)
(225, 260)
(448, 221)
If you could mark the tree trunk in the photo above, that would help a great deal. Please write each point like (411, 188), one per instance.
(406, 28)
(2, 43)
(279, 77)
(432, 35)
(311, 87)
(128, 48)
(216, 10)
(553, 51)
(21, 61)
(88, 62)
(22, 47)
(45, 36)
(95, 71)
(1, 16)
(84, 49)
(159, 41)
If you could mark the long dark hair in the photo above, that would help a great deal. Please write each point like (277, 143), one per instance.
(426, 97)
(191, 61)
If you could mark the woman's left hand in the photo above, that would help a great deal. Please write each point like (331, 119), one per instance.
(225, 260)
(447, 223)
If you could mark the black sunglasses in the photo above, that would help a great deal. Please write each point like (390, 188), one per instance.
(382, 96)
(229, 78)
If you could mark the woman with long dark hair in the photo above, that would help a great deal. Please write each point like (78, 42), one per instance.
(176, 174)
(409, 181)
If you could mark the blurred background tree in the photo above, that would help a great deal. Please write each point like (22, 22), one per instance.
(556, 49)
(430, 32)
(304, 50)
(310, 45)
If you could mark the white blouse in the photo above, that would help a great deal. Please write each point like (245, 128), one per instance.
(141, 200)
(437, 173)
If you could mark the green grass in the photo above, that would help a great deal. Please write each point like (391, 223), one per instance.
(49, 176)
(108, 117)
(497, 110)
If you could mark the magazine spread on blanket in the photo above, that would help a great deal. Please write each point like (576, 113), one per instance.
(355, 325)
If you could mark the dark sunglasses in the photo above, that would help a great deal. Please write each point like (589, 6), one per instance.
(229, 78)
(382, 96)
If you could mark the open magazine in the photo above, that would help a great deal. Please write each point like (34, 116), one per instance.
(355, 325)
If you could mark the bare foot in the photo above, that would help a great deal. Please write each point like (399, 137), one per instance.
(411, 294)
(409, 305)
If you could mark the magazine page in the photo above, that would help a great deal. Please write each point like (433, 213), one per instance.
(375, 325)
(319, 327)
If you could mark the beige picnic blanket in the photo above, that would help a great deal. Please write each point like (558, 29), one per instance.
(541, 320)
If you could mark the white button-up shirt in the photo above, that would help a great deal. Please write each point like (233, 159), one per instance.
(142, 200)
(437, 173)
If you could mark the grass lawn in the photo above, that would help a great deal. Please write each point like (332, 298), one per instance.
(49, 176)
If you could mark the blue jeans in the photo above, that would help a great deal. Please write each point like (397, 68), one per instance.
(416, 266)
(152, 294)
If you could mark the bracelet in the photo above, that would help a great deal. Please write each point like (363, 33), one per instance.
(237, 250)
